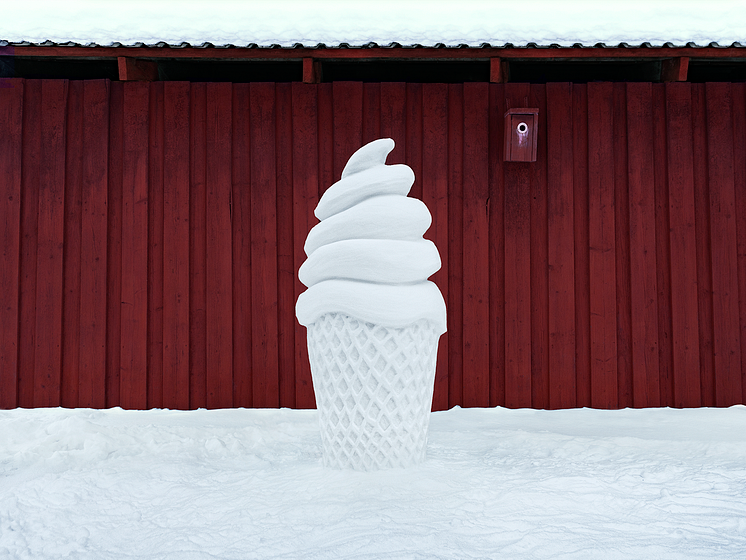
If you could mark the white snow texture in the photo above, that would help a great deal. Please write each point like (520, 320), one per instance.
(332, 22)
(248, 484)
(367, 258)
(373, 319)
(374, 391)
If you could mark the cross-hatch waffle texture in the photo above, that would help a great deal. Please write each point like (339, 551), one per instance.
(374, 390)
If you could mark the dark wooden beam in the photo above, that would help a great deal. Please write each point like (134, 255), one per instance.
(135, 70)
(675, 69)
(422, 53)
(311, 71)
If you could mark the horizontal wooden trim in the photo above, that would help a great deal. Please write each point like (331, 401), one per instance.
(377, 53)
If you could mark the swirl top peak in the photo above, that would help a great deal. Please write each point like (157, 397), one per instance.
(370, 155)
(365, 175)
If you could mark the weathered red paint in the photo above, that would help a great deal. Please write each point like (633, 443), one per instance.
(152, 235)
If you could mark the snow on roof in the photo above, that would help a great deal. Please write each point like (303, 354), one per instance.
(292, 23)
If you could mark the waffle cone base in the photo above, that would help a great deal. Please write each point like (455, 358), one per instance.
(374, 390)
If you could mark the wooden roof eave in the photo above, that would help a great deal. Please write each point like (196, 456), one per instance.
(378, 53)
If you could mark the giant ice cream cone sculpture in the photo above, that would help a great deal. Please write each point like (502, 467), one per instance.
(372, 316)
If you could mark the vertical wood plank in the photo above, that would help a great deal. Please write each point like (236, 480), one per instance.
(285, 272)
(643, 277)
(176, 101)
(134, 306)
(30, 178)
(496, 205)
(394, 119)
(622, 250)
(538, 260)
(684, 320)
(264, 246)
(114, 245)
(93, 249)
(475, 295)
(348, 123)
(241, 218)
(739, 175)
(11, 142)
(326, 137)
(155, 247)
(371, 112)
(197, 247)
(602, 246)
(454, 303)
(219, 277)
(702, 235)
(434, 181)
(561, 250)
(582, 244)
(663, 249)
(413, 140)
(726, 339)
(49, 264)
(71, 304)
(518, 344)
(305, 199)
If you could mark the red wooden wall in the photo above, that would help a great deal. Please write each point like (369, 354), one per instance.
(151, 235)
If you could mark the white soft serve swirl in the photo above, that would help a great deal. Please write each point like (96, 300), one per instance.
(367, 257)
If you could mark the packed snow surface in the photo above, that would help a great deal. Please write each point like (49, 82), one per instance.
(497, 483)
(332, 22)
(367, 258)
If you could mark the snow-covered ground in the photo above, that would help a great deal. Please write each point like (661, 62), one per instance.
(498, 483)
